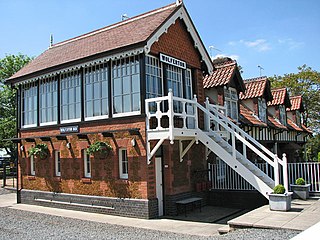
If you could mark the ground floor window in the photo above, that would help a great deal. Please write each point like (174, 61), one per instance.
(32, 166)
(87, 164)
(57, 163)
(123, 163)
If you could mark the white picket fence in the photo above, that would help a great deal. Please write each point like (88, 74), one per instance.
(224, 177)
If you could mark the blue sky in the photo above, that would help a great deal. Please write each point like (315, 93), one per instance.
(278, 35)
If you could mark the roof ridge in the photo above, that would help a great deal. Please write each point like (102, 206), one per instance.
(255, 79)
(106, 28)
(225, 65)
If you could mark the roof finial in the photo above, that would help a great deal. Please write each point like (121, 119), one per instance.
(178, 2)
(51, 40)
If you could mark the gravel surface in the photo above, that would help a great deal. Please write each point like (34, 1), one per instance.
(17, 224)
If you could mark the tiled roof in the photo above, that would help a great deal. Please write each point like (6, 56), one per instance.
(292, 125)
(306, 129)
(296, 103)
(248, 117)
(123, 34)
(273, 122)
(280, 97)
(256, 87)
(222, 74)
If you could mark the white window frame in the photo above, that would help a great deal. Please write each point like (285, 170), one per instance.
(32, 166)
(49, 89)
(87, 164)
(97, 74)
(120, 77)
(153, 72)
(231, 97)
(57, 164)
(123, 159)
(29, 95)
(70, 80)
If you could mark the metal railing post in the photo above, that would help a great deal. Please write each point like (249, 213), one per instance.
(276, 170)
(285, 172)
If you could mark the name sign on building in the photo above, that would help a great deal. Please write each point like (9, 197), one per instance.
(172, 61)
(69, 129)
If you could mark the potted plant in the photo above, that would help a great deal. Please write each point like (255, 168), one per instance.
(40, 150)
(99, 149)
(300, 189)
(279, 199)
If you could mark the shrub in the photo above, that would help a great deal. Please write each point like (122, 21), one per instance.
(279, 189)
(300, 181)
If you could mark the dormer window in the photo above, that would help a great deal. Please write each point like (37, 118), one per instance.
(231, 103)
(262, 108)
(298, 118)
(282, 115)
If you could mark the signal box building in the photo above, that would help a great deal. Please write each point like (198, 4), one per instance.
(93, 88)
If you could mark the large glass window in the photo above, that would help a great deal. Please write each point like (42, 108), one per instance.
(231, 103)
(96, 92)
(70, 97)
(29, 104)
(174, 81)
(48, 101)
(154, 87)
(298, 118)
(262, 107)
(126, 86)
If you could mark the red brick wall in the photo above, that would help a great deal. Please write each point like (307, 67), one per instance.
(178, 43)
(105, 179)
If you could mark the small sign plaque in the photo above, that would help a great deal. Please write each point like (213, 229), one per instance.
(69, 129)
(172, 61)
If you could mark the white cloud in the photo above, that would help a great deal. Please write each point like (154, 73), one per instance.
(292, 44)
(260, 45)
(232, 56)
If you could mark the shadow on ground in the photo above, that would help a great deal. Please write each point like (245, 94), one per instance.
(210, 214)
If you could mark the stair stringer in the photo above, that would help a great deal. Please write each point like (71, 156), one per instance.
(254, 180)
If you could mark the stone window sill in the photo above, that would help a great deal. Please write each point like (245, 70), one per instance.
(86, 180)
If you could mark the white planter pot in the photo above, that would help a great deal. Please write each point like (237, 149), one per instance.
(280, 202)
(300, 191)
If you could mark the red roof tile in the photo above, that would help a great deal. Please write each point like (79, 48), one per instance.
(306, 129)
(280, 97)
(256, 87)
(296, 103)
(248, 117)
(222, 74)
(293, 125)
(129, 32)
(273, 122)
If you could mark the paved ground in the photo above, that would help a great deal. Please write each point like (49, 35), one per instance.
(19, 221)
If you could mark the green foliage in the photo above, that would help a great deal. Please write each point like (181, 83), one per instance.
(8, 66)
(279, 189)
(99, 147)
(300, 181)
(306, 83)
(40, 150)
(312, 149)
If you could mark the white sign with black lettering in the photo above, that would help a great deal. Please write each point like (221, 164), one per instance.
(172, 61)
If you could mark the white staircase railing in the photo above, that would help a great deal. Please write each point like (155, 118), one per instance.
(218, 129)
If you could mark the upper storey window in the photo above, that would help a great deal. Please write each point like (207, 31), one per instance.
(231, 103)
(70, 97)
(282, 115)
(126, 86)
(48, 101)
(29, 105)
(96, 92)
(262, 107)
(154, 84)
(298, 118)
